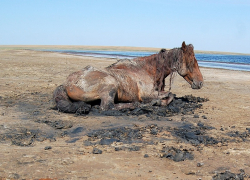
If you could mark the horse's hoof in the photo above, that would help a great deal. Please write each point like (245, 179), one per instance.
(167, 101)
(155, 102)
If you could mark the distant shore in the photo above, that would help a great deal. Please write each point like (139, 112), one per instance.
(105, 48)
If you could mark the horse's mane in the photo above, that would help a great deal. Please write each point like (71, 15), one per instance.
(170, 61)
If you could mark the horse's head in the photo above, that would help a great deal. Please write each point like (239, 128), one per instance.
(189, 68)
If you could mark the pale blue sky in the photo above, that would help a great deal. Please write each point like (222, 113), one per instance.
(215, 25)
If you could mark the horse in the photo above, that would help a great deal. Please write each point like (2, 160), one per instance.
(127, 83)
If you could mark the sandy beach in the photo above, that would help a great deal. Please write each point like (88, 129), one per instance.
(39, 142)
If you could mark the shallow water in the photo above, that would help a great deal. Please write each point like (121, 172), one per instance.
(232, 62)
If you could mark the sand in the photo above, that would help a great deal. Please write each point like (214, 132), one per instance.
(27, 81)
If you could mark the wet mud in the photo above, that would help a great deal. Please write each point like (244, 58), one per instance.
(180, 105)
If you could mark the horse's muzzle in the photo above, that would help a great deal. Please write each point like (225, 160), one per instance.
(197, 85)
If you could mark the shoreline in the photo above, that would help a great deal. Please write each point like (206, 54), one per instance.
(106, 48)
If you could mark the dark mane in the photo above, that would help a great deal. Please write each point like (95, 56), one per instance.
(169, 62)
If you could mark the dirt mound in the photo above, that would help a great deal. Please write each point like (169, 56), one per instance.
(195, 134)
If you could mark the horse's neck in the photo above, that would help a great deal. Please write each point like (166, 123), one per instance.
(148, 64)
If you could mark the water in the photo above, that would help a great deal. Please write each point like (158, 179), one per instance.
(232, 62)
(107, 54)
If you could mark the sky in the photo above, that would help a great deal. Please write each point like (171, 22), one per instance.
(210, 25)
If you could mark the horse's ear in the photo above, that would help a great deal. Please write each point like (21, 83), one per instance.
(163, 50)
(183, 46)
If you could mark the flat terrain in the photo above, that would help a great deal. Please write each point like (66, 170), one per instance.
(39, 142)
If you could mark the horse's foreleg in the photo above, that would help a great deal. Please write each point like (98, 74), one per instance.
(164, 94)
(108, 97)
(164, 98)
(167, 100)
(107, 101)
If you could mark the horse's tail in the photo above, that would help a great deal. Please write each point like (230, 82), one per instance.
(64, 103)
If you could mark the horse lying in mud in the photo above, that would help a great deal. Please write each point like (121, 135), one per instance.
(125, 83)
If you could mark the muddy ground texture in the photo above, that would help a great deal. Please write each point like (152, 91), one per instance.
(191, 128)
(188, 139)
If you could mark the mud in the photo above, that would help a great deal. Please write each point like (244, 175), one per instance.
(195, 135)
(37, 113)
(180, 105)
(227, 175)
(241, 136)
(57, 124)
(176, 154)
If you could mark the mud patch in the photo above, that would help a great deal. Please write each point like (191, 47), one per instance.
(128, 148)
(120, 134)
(175, 154)
(186, 132)
(180, 105)
(195, 135)
(230, 176)
(57, 124)
(243, 136)
(21, 137)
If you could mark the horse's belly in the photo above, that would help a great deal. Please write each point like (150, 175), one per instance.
(135, 88)
(146, 91)
(79, 94)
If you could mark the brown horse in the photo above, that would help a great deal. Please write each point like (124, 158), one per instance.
(126, 82)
